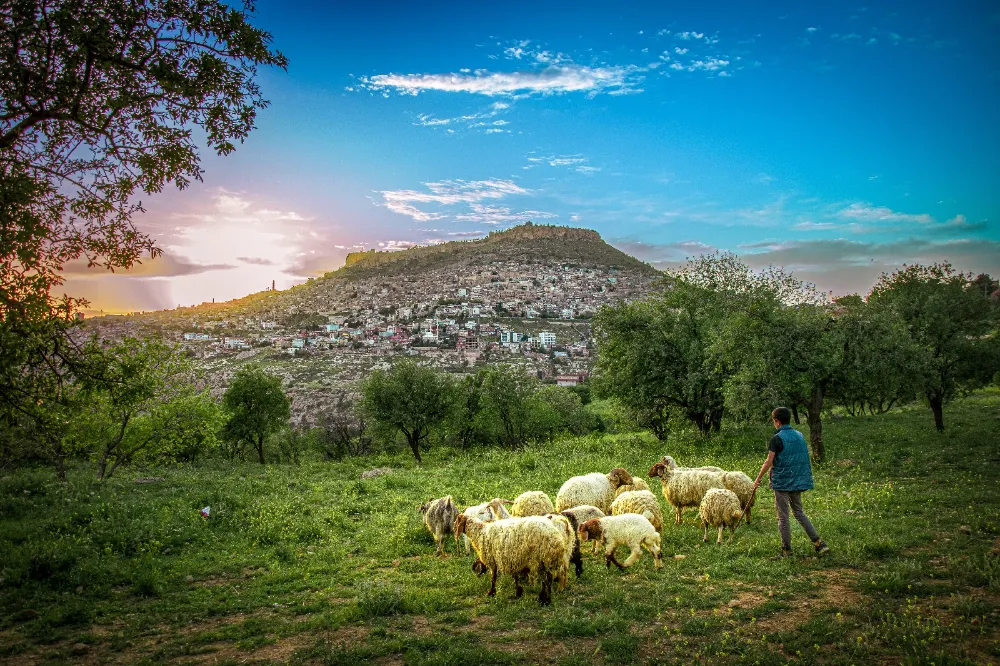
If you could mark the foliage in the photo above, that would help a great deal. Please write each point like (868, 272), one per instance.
(256, 407)
(144, 406)
(409, 398)
(97, 105)
(952, 319)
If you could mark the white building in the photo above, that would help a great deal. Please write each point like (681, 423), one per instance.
(546, 338)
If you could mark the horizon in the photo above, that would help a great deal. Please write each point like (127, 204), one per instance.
(839, 143)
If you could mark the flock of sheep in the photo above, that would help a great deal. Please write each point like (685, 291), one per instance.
(536, 539)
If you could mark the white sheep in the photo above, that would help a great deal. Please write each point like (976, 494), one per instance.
(642, 502)
(672, 464)
(439, 516)
(683, 488)
(631, 530)
(742, 485)
(720, 508)
(567, 524)
(637, 484)
(520, 547)
(486, 512)
(738, 482)
(531, 503)
(595, 489)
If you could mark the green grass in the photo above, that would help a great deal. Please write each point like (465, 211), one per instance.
(312, 565)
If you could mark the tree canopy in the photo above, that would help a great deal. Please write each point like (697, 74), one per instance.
(99, 102)
(256, 408)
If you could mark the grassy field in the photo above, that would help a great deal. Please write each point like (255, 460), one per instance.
(312, 565)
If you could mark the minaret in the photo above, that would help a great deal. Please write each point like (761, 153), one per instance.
(272, 285)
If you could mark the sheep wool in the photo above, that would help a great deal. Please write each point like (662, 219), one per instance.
(720, 508)
(742, 485)
(567, 524)
(642, 502)
(439, 515)
(531, 503)
(595, 489)
(684, 488)
(486, 512)
(630, 530)
(637, 484)
(519, 547)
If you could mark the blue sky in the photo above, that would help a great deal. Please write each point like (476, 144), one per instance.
(840, 140)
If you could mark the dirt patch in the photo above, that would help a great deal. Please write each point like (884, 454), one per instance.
(835, 591)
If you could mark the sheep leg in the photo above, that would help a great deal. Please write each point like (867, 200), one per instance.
(609, 559)
(493, 583)
(677, 520)
(748, 515)
(721, 529)
(545, 596)
(704, 526)
(438, 547)
(518, 587)
(634, 555)
(654, 548)
(577, 559)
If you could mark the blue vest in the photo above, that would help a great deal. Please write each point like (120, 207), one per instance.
(792, 470)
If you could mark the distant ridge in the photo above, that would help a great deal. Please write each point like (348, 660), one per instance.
(531, 243)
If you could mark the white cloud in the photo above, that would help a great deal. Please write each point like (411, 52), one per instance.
(449, 193)
(811, 29)
(555, 79)
(487, 214)
(679, 51)
(866, 212)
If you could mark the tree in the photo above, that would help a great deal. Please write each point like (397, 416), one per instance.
(145, 404)
(509, 405)
(256, 407)
(409, 398)
(98, 103)
(952, 320)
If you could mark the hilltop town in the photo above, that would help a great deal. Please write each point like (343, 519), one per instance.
(524, 295)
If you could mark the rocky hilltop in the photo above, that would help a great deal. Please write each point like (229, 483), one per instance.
(535, 243)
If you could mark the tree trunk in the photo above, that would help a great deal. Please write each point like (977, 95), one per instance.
(813, 415)
(259, 445)
(414, 443)
(795, 413)
(937, 406)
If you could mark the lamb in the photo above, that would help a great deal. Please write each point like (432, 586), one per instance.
(637, 484)
(531, 503)
(742, 485)
(642, 502)
(439, 516)
(630, 530)
(720, 508)
(738, 482)
(519, 547)
(595, 489)
(486, 512)
(683, 488)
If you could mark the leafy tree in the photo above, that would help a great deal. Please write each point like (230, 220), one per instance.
(98, 103)
(567, 409)
(510, 407)
(256, 407)
(952, 319)
(409, 398)
(145, 404)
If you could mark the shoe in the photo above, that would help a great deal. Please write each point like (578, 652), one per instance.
(822, 548)
(783, 554)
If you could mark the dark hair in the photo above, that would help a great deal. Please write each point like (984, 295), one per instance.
(782, 415)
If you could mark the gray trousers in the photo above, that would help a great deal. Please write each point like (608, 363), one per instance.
(782, 500)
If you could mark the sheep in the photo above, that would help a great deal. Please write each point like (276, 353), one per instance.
(742, 485)
(595, 489)
(531, 503)
(672, 464)
(581, 514)
(683, 488)
(630, 530)
(519, 547)
(567, 524)
(637, 484)
(439, 516)
(486, 512)
(642, 502)
(720, 508)
(738, 482)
